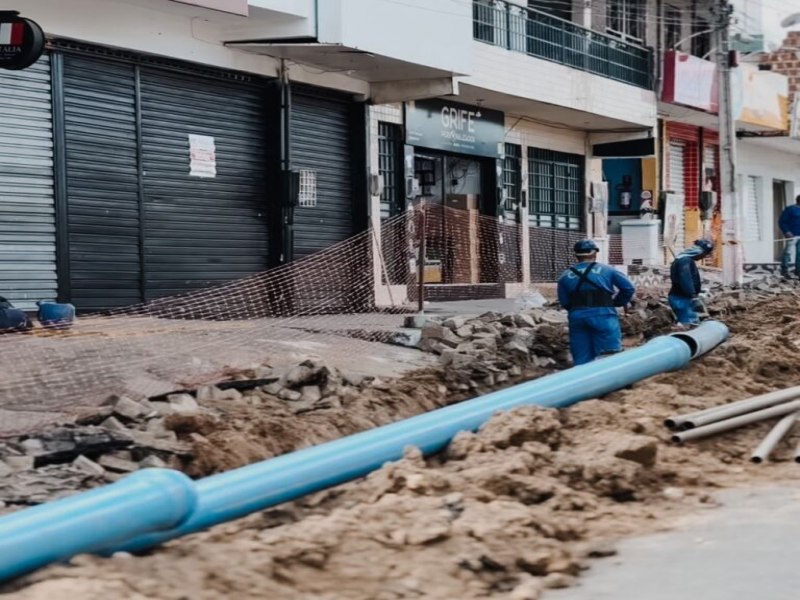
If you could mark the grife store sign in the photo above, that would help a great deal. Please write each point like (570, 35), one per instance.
(445, 125)
(21, 41)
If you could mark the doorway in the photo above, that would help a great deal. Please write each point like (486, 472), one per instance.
(779, 197)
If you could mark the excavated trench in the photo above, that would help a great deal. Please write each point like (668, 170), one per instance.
(525, 504)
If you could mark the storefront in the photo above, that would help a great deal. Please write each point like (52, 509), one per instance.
(455, 164)
(128, 178)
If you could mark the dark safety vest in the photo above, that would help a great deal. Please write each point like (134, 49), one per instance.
(591, 295)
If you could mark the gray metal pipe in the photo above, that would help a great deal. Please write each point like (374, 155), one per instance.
(680, 421)
(746, 406)
(740, 421)
(775, 435)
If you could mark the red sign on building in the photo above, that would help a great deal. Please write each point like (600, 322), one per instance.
(690, 81)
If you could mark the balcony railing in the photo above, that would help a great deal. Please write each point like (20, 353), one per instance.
(544, 36)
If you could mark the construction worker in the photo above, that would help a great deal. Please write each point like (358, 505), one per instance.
(591, 292)
(789, 222)
(686, 285)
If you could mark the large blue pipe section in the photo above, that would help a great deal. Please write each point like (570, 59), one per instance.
(107, 527)
(148, 500)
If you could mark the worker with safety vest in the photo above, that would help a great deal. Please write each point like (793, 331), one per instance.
(684, 295)
(592, 292)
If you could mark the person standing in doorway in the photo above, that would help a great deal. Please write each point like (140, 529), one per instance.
(789, 224)
(591, 292)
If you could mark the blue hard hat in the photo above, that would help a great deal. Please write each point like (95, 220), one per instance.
(586, 247)
(706, 245)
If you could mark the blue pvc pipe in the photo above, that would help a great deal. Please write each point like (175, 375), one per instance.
(148, 500)
(255, 487)
(113, 519)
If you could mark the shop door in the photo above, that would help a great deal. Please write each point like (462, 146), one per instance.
(27, 209)
(779, 196)
(102, 174)
(677, 184)
(201, 229)
(141, 223)
(321, 150)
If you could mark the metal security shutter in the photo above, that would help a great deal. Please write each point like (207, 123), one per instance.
(102, 183)
(677, 183)
(27, 213)
(321, 143)
(752, 222)
(199, 231)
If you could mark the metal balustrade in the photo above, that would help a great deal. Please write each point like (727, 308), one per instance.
(544, 36)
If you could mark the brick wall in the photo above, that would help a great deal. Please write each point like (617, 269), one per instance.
(786, 61)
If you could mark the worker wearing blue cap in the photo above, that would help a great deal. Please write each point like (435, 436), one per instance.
(686, 285)
(591, 292)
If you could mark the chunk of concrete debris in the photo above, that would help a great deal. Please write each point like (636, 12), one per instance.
(129, 409)
(273, 389)
(113, 424)
(183, 404)
(299, 376)
(408, 338)
(554, 317)
(88, 466)
(290, 395)
(310, 393)
(229, 394)
(118, 465)
(455, 322)
(640, 449)
(205, 393)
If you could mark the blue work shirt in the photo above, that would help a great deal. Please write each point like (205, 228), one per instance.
(607, 278)
(789, 221)
(685, 277)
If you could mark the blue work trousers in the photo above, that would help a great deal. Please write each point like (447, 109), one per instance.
(593, 336)
(792, 247)
(684, 309)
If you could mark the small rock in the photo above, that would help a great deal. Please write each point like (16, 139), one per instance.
(129, 409)
(543, 361)
(490, 317)
(465, 331)
(88, 466)
(290, 395)
(381, 385)
(515, 371)
(673, 493)
(517, 348)
(558, 581)
(455, 322)
(554, 317)
(600, 550)
(408, 338)
(273, 389)
(229, 394)
(161, 408)
(152, 462)
(32, 446)
(528, 590)
(114, 424)
(183, 404)
(353, 379)
(299, 376)
(118, 465)
(310, 393)
(637, 448)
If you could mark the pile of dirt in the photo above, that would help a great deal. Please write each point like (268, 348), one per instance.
(518, 507)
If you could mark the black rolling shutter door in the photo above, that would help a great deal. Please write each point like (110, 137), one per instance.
(202, 231)
(102, 188)
(321, 142)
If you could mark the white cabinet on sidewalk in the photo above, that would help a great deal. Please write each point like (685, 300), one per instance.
(640, 242)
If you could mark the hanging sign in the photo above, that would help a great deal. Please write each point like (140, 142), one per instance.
(21, 41)
(450, 126)
(203, 156)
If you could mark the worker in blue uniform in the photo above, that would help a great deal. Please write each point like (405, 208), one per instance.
(686, 285)
(591, 292)
(789, 223)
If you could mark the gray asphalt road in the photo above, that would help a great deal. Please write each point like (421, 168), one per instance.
(746, 549)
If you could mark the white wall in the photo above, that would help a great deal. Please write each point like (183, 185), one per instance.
(435, 34)
(524, 76)
(165, 29)
(767, 164)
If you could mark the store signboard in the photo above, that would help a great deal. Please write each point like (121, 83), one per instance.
(690, 81)
(21, 41)
(761, 98)
(454, 127)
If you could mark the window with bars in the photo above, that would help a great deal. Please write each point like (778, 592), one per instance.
(389, 167)
(512, 176)
(625, 19)
(555, 189)
(701, 38)
(673, 23)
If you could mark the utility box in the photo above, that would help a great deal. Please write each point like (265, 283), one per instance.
(640, 242)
